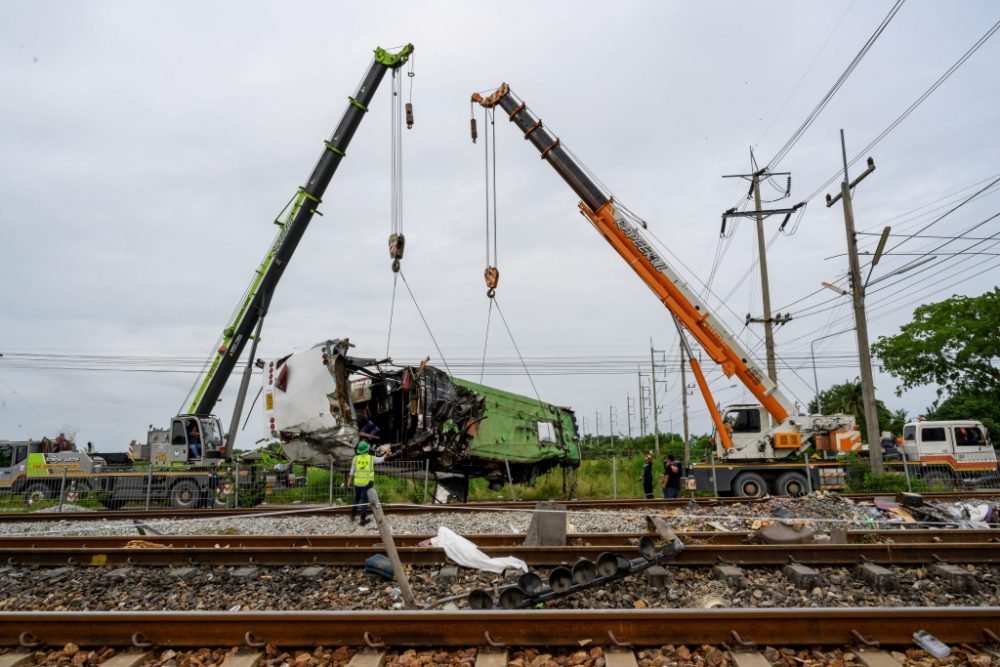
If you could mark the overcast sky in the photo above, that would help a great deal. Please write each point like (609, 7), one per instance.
(147, 147)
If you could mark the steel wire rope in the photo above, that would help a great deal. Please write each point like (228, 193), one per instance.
(517, 349)
(899, 119)
(426, 324)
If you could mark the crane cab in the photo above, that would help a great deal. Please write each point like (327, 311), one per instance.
(190, 439)
(745, 424)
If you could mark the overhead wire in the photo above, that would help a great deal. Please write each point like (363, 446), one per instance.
(825, 100)
(910, 109)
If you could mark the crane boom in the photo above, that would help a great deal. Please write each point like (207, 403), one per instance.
(301, 209)
(626, 237)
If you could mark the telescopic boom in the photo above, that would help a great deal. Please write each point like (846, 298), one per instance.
(300, 212)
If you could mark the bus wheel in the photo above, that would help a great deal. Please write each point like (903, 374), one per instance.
(791, 484)
(36, 493)
(225, 493)
(750, 485)
(184, 495)
(76, 491)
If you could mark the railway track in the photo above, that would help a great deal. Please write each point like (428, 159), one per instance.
(306, 510)
(928, 536)
(694, 555)
(743, 632)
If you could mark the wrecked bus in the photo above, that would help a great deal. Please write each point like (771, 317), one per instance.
(321, 401)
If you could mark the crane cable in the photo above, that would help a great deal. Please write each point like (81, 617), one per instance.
(492, 273)
(397, 241)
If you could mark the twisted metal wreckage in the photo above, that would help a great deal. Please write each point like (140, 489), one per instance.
(457, 429)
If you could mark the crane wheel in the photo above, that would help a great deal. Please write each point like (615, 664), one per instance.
(185, 495)
(750, 485)
(792, 484)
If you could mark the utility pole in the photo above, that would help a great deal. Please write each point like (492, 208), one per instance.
(597, 427)
(860, 319)
(642, 407)
(684, 405)
(629, 407)
(759, 214)
(611, 423)
(652, 383)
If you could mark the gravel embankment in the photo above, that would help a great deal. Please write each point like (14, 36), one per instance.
(285, 588)
(823, 511)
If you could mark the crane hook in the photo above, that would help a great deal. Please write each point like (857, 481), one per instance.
(397, 243)
(492, 275)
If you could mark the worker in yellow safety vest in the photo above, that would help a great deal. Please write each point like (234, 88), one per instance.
(362, 475)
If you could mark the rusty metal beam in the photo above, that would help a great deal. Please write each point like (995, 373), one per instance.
(695, 555)
(639, 627)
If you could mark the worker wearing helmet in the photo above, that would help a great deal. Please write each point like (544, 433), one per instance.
(362, 476)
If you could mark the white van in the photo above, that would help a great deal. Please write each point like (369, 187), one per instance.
(962, 447)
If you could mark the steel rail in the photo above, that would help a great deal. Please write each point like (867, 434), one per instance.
(613, 540)
(692, 556)
(635, 627)
(572, 505)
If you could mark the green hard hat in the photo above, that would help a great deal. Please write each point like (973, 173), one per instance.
(363, 447)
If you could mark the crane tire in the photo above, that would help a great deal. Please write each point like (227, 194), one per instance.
(791, 483)
(185, 495)
(749, 485)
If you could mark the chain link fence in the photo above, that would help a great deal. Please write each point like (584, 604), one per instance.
(223, 486)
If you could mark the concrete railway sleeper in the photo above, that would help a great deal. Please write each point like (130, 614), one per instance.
(637, 637)
(497, 656)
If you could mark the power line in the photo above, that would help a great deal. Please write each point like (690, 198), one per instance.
(811, 118)
(899, 119)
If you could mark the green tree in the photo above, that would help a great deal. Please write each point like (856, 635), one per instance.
(952, 343)
(847, 397)
(970, 405)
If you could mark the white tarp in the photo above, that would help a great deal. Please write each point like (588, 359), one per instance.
(467, 554)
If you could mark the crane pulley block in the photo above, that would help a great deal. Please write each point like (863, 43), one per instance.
(397, 243)
(492, 275)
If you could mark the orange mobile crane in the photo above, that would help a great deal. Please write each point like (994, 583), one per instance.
(755, 441)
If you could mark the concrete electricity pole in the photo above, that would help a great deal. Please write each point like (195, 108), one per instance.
(629, 407)
(684, 405)
(759, 214)
(860, 319)
(652, 383)
(642, 407)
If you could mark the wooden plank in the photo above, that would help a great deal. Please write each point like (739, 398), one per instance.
(367, 658)
(244, 659)
(620, 659)
(128, 659)
(491, 657)
(748, 659)
(17, 659)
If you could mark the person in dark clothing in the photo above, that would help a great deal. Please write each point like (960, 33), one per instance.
(647, 476)
(671, 480)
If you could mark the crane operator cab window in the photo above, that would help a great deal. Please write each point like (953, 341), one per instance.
(743, 420)
(211, 439)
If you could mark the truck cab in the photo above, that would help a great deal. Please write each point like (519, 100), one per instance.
(962, 445)
(13, 461)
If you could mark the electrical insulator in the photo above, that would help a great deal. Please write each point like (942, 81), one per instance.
(475, 134)
(409, 115)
